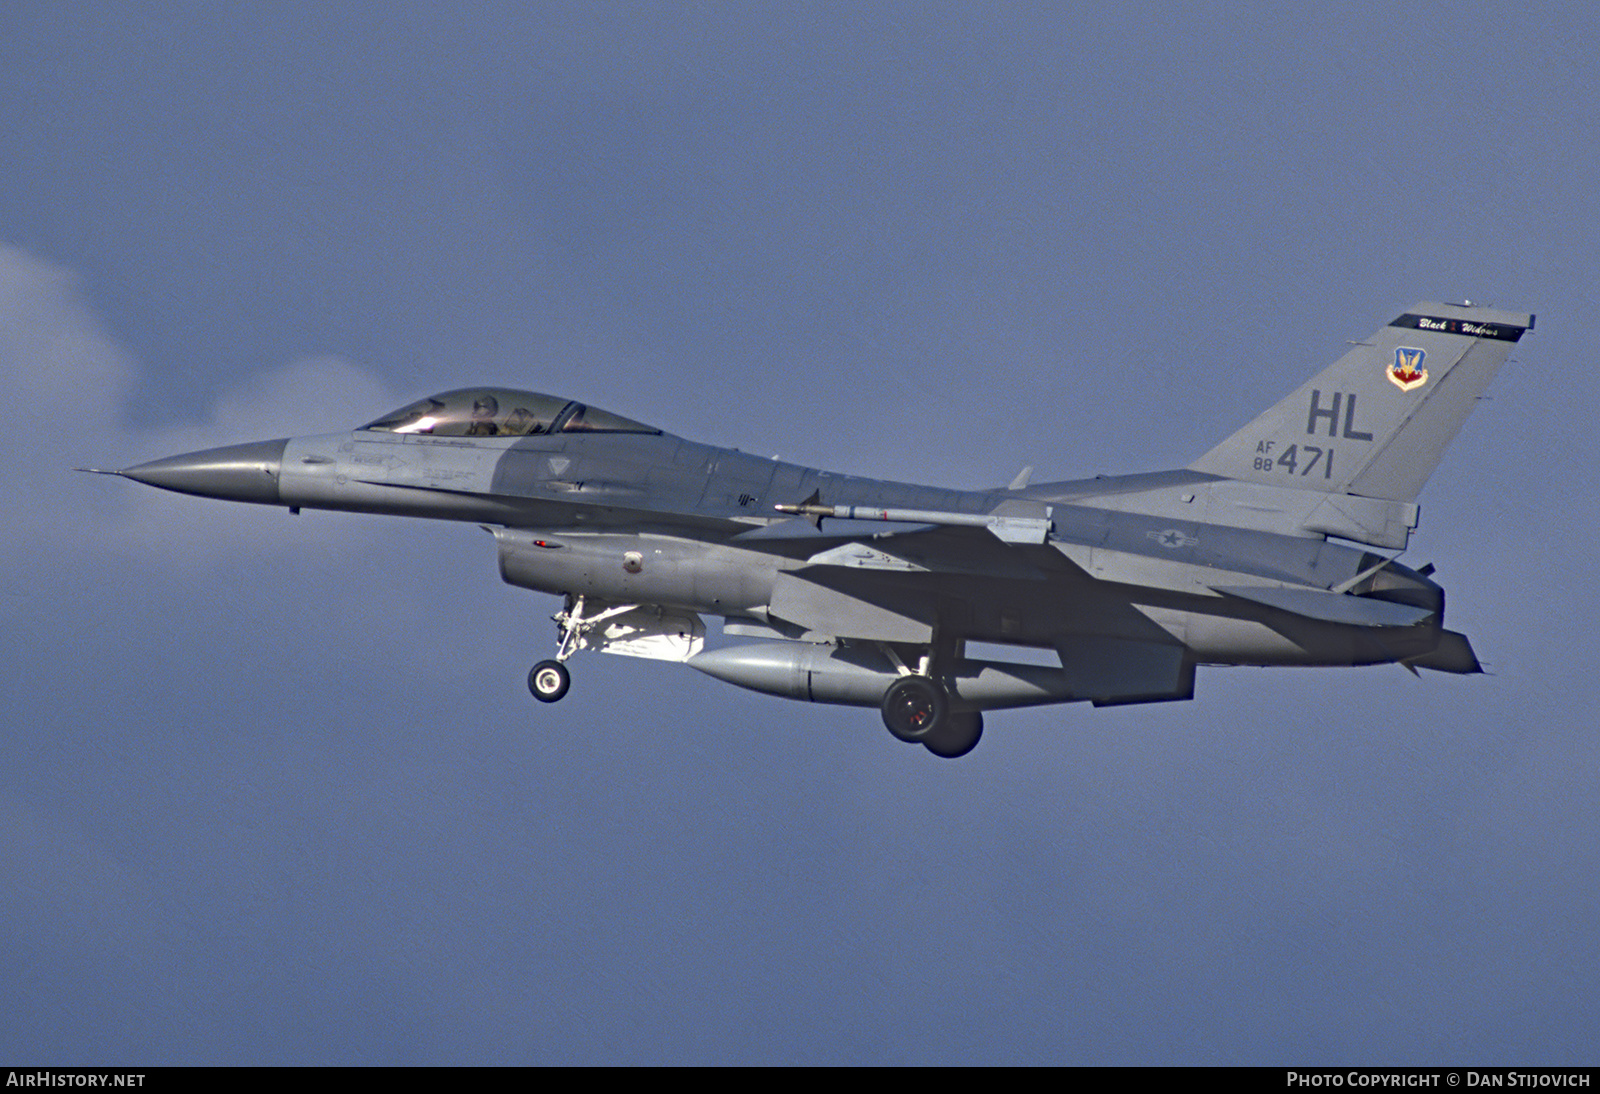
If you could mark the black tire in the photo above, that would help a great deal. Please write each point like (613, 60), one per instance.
(549, 681)
(913, 707)
(958, 736)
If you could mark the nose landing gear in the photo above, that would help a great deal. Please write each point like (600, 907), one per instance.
(631, 630)
(549, 681)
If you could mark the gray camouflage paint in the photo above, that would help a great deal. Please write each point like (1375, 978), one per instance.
(1139, 578)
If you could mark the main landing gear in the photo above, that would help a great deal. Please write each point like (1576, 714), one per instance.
(917, 710)
(913, 707)
(958, 736)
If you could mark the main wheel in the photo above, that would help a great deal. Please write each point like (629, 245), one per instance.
(913, 707)
(549, 681)
(958, 735)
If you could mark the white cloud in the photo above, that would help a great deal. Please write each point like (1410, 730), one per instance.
(64, 376)
(305, 397)
(67, 383)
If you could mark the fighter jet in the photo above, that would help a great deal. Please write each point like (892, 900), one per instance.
(1277, 547)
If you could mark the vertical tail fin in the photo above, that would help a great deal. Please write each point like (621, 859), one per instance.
(1376, 422)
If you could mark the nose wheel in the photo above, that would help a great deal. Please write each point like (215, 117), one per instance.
(549, 681)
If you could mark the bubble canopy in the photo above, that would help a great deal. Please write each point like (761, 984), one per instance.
(502, 412)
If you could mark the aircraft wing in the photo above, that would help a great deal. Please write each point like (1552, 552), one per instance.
(960, 580)
(896, 587)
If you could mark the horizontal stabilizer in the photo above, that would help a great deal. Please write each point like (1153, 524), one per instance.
(1454, 654)
(1353, 611)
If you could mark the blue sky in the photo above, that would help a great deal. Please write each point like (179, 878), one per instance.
(271, 788)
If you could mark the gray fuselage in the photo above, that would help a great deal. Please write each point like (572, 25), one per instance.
(700, 520)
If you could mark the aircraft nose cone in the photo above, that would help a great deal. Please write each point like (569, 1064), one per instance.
(239, 472)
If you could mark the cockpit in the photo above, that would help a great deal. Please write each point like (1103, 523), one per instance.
(502, 412)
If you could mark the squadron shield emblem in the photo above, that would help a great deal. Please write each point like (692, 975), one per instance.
(1407, 371)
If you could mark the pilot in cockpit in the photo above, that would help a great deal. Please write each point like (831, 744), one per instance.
(484, 409)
